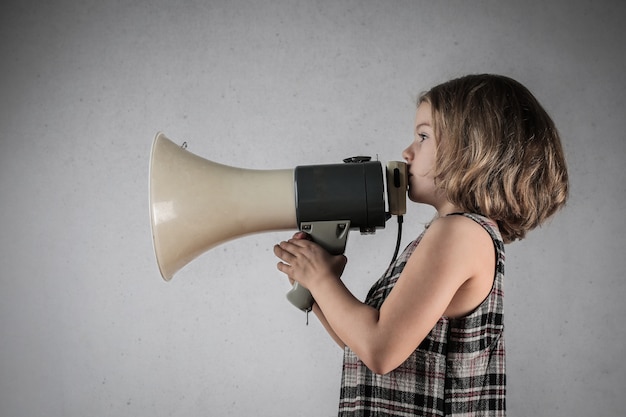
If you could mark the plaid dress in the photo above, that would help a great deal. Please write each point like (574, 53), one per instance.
(458, 369)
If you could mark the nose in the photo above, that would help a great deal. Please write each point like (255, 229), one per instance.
(407, 154)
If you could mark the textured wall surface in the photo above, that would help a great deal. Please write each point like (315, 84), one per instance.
(88, 327)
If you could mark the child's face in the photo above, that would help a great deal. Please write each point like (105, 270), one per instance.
(420, 157)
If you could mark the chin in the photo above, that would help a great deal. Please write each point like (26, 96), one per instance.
(413, 198)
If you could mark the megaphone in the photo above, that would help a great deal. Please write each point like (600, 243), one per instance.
(197, 204)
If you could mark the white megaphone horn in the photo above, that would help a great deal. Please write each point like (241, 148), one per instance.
(197, 204)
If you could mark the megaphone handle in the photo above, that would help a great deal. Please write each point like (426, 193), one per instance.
(300, 297)
(332, 236)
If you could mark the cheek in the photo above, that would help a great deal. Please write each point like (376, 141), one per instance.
(425, 165)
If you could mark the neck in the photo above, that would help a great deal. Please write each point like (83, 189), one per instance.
(446, 208)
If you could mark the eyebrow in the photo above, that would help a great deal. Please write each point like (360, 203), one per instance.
(423, 125)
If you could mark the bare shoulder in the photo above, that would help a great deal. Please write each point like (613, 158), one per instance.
(455, 249)
(458, 232)
(465, 243)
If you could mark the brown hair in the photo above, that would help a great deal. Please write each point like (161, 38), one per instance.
(498, 152)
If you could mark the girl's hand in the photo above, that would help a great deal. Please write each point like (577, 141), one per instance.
(298, 235)
(307, 262)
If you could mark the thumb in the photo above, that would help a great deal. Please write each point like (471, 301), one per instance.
(302, 235)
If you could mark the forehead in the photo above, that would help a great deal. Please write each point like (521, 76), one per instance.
(423, 115)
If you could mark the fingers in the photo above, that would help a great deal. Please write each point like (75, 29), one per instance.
(297, 243)
(282, 253)
(286, 249)
(288, 252)
(283, 267)
(296, 254)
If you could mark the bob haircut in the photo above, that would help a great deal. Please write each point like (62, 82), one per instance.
(498, 152)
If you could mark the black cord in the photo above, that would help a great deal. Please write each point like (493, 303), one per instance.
(399, 239)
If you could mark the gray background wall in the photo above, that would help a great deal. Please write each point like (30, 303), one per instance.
(88, 328)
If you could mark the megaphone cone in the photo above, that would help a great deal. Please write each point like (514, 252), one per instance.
(197, 204)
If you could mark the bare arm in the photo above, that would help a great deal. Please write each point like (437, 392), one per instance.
(320, 315)
(447, 258)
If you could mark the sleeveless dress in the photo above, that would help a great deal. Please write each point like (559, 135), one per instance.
(458, 369)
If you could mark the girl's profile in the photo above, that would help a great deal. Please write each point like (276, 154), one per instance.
(428, 340)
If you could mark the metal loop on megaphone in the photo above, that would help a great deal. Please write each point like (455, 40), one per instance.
(357, 159)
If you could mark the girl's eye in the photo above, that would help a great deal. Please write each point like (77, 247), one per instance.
(422, 136)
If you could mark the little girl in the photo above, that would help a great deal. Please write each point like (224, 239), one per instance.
(428, 340)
